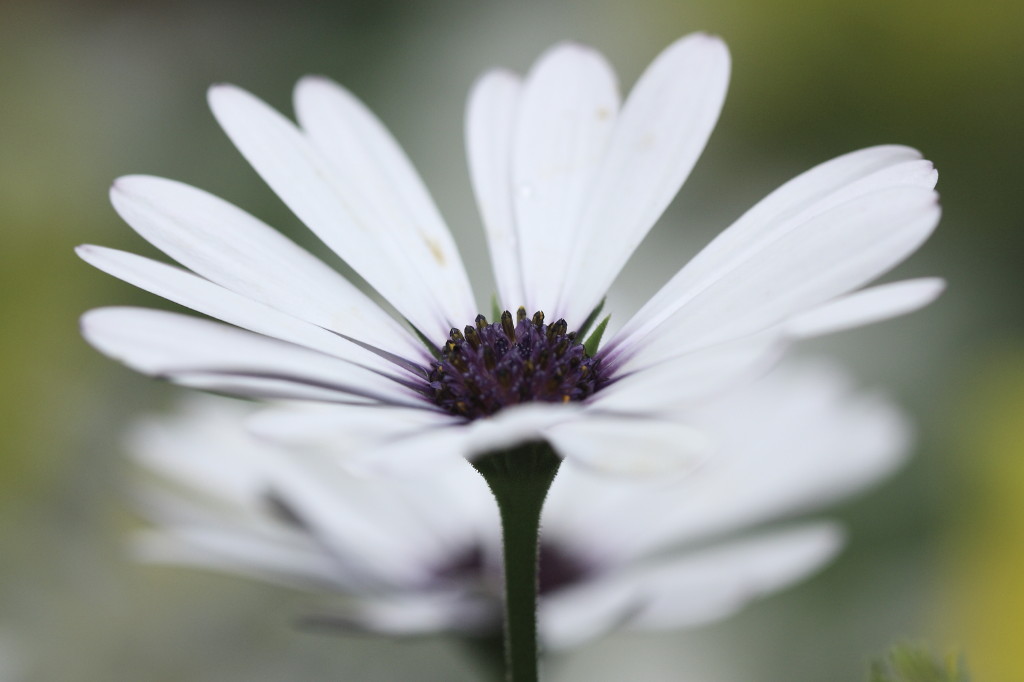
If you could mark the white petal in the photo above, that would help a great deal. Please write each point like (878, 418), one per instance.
(627, 446)
(232, 248)
(435, 448)
(797, 438)
(490, 125)
(378, 532)
(210, 299)
(342, 429)
(571, 617)
(345, 212)
(866, 307)
(168, 344)
(415, 614)
(827, 256)
(416, 454)
(709, 585)
(517, 425)
(693, 589)
(662, 130)
(231, 551)
(202, 447)
(800, 200)
(377, 173)
(265, 388)
(566, 113)
(674, 384)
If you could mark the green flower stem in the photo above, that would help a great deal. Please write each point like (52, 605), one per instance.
(520, 478)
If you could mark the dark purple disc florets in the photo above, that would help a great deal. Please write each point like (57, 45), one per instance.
(493, 365)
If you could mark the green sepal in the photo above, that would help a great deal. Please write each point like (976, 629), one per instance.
(592, 343)
(495, 308)
(425, 341)
(591, 318)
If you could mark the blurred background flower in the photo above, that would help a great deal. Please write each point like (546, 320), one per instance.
(92, 90)
(422, 555)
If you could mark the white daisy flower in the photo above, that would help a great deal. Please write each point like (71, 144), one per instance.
(568, 183)
(415, 556)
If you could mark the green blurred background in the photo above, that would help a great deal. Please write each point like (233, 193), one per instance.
(91, 90)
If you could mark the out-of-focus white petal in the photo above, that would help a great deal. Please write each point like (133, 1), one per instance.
(866, 306)
(490, 126)
(169, 344)
(571, 617)
(182, 448)
(662, 130)
(376, 533)
(817, 191)
(294, 564)
(709, 585)
(566, 113)
(416, 454)
(345, 429)
(226, 245)
(211, 299)
(797, 438)
(345, 213)
(825, 257)
(691, 589)
(426, 449)
(674, 384)
(620, 445)
(414, 614)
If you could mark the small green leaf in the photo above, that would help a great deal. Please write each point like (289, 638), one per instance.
(495, 308)
(426, 342)
(591, 318)
(915, 663)
(591, 344)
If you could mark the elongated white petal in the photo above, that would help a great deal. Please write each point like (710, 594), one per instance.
(201, 448)
(799, 201)
(267, 388)
(833, 253)
(228, 246)
(414, 614)
(345, 213)
(628, 446)
(382, 181)
(490, 126)
(688, 590)
(867, 306)
(168, 344)
(295, 565)
(566, 113)
(571, 617)
(383, 532)
(431, 448)
(415, 454)
(345, 429)
(662, 130)
(210, 299)
(706, 586)
(796, 438)
(688, 379)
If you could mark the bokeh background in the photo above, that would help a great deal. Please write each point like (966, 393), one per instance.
(90, 90)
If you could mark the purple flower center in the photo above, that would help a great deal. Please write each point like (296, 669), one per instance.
(493, 365)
